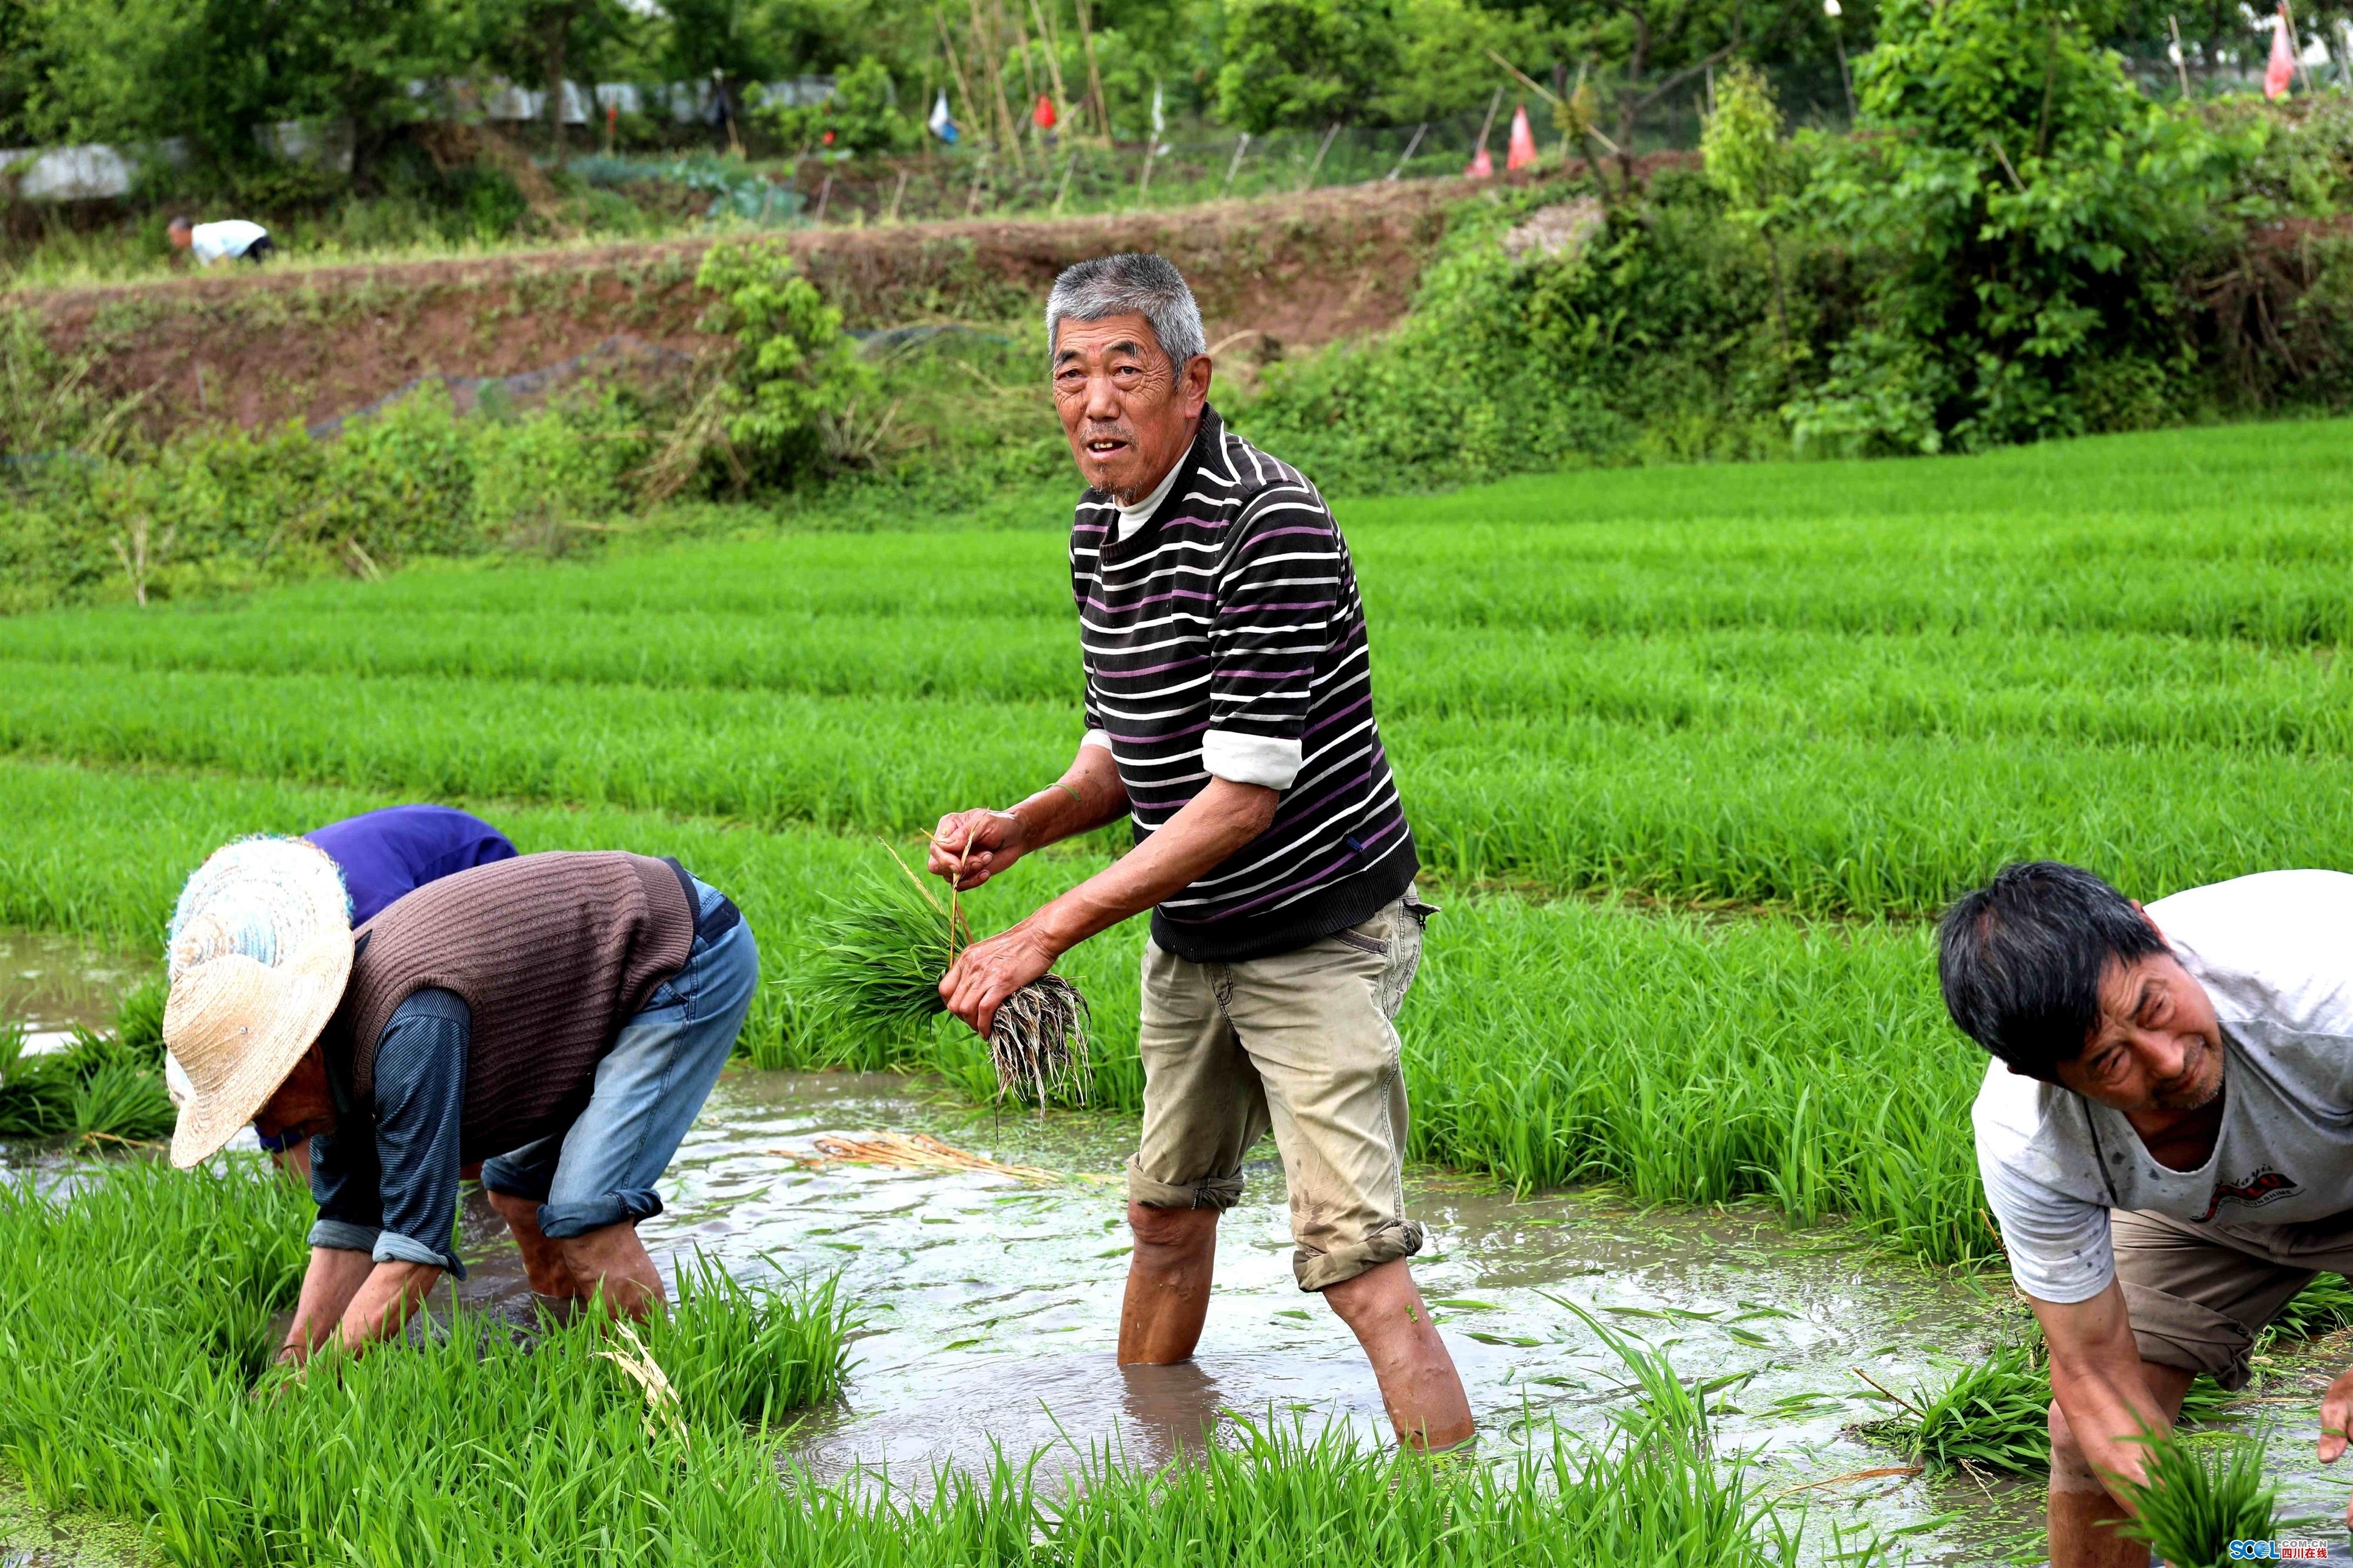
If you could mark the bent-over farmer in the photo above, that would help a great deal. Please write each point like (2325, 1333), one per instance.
(1229, 713)
(560, 1017)
(382, 856)
(2166, 1137)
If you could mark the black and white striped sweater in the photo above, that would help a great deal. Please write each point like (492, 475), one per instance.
(1225, 636)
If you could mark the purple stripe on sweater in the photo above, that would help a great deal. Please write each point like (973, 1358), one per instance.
(1142, 741)
(1268, 673)
(1255, 608)
(1331, 719)
(1155, 669)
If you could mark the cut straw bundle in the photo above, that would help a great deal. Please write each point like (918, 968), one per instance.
(883, 954)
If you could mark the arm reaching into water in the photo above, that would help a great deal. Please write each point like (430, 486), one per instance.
(350, 1295)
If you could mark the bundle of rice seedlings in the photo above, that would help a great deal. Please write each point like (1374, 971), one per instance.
(881, 959)
(2201, 1492)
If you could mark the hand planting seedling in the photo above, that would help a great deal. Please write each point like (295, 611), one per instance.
(2201, 1493)
(883, 954)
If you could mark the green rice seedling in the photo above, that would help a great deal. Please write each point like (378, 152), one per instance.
(882, 956)
(2199, 1493)
(130, 1390)
(95, 1088)
(1990, 1416)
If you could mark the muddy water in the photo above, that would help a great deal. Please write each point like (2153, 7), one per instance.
(50, 983)
(993, 1308)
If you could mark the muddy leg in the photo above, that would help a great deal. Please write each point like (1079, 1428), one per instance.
(613, 1259)
(543, 1260)
(1168, 1284)
(1418, 1382)
(2082, 1514)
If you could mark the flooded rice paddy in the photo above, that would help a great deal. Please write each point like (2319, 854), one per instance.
(50, 983)
(991, 1304)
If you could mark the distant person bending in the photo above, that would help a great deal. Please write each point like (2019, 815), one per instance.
(1229, 713)
(382, 855)
(2166, 1139)
(212, 242)
(563, 1014)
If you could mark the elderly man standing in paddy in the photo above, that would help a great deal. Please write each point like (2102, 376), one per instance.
(1229, 714)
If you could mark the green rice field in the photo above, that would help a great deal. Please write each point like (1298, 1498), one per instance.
(1692, 757)
(1691, 754)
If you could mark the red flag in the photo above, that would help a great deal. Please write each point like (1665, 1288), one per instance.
(1043, 117)
(1523, 154)
(1483, 167)
(2282, 68)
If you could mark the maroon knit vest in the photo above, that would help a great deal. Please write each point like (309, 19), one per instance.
(552, 955)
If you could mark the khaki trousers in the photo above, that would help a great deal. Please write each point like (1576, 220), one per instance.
(1301, 1044)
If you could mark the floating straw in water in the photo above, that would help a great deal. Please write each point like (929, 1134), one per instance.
(881, 960)
(920, 1151)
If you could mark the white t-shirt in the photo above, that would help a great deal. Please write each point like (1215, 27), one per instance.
(2275, 953)
(230, 236)
(1132, 517)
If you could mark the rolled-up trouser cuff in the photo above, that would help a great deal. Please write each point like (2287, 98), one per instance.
(1208, 1192)
(1322, 1270)
(2173, 1330)
(502, 1175)
(560, 1222)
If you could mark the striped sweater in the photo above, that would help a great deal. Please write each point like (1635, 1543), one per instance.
(1224, 637)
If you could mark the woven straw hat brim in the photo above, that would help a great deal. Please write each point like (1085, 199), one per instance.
(239, 1027)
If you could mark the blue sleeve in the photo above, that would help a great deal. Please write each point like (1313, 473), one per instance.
(392, 1190)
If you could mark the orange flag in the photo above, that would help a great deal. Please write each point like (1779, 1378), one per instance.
(2282, 68)
(1483, 166)
(1523, 154)
(1043, 115)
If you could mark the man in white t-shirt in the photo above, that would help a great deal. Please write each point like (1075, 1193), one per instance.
(2166, 1137)
(211, 242)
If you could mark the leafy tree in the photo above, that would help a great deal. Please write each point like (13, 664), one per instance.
(549, 42)
(1304, 62)
(2031, 210)
(860, 117)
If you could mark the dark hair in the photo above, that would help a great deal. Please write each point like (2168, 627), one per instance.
(2021, 959)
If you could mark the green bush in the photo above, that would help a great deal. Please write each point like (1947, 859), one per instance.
(861, 117)
(795, 371)
(2033, 211)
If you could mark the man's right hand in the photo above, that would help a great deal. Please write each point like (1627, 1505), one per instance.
(968, 847)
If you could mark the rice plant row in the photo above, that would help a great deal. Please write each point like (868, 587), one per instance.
(1781, 814)
(2098, 688)
(134, 1395)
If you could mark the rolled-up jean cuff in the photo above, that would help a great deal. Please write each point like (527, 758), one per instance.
(391, 1246)
(2175, 1331)
(1208, 1192)
(514, 1181)
(343, 1235)
(1322, 1270)
(560, 1222)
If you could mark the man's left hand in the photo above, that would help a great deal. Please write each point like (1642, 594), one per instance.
(988, 972)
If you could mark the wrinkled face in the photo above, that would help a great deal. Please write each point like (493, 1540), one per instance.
(1129, 413)
(2157, 1046)
(303, 1106)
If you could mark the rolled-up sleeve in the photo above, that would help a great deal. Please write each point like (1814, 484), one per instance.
(391, 1190)
(1278, 593)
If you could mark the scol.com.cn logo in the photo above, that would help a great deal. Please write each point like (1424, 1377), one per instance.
(2289, 1551)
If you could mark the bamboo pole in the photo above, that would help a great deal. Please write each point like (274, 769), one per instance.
(1053, 34)
(1094, 73)
(1406, 156)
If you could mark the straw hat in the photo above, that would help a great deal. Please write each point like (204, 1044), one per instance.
(260, 951)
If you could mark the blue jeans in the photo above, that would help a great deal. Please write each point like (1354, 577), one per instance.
(601, 1170)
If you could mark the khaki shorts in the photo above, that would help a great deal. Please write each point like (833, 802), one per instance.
(1302, 1044)
(2199, 1294)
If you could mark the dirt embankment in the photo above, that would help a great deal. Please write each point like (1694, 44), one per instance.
(316, 344)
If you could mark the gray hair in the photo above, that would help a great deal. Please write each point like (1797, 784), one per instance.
(1130, 285)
